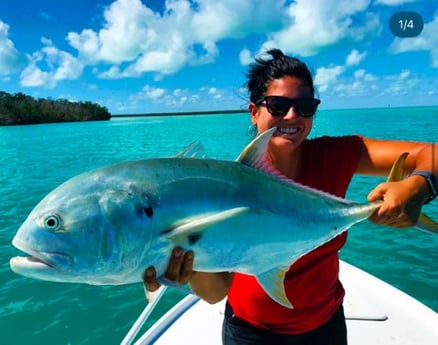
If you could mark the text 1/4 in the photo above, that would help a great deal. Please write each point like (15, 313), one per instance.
(406, 24)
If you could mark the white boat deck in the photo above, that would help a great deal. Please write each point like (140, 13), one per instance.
(377, 313)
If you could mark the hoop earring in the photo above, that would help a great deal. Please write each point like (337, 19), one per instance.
(252, 131)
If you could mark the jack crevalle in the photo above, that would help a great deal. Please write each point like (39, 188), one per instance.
(106, 226)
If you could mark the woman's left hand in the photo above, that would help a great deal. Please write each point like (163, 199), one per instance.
(402, 202)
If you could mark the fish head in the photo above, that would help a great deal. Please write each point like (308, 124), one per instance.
(87, 231)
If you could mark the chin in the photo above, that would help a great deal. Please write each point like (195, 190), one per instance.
(286, 141)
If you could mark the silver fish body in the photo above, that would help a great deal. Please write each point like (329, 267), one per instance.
(106, 226)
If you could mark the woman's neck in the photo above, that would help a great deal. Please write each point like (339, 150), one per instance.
(286, 161)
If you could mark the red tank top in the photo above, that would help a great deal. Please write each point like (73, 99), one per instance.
(312, 284)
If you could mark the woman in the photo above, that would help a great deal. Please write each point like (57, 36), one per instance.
(282, 95)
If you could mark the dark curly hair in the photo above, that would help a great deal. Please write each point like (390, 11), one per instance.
(262, 71)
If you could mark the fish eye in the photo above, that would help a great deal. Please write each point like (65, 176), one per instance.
(52, 222)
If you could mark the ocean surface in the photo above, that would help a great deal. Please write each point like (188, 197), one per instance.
(34, 159)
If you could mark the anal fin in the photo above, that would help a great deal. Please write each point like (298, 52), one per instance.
(273, 283)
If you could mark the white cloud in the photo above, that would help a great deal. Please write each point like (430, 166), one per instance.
(427, 41)
(402, 83)
(215, 93)
(359, 73)
(59, 66)
(245, 57)
(9, 56)
(362, 74)
(326, 76)
(153, 92)
(318, 24)
(134, 39)
(355, 58)
(186, 33)
(394, 2)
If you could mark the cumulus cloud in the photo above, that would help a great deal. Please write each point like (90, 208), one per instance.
(394, 2)
(153, 92)
(134, 39)
(427, 41)
(245, 57)
(317, 24)
(186, 33)
(9, 56)
(355, 57)
(327, 76)
(362, 74)
(58, 65)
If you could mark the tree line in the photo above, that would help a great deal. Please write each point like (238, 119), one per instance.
(20, 109)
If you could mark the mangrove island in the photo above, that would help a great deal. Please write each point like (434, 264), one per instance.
(21, 109)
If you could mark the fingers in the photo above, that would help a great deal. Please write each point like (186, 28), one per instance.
(377, 193)
(180, 266)
(390, 219)
(179, 270)
(186, 268)
(150, 280)
(397, 209)
(174, 266)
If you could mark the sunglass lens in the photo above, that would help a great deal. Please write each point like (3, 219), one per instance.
(278, 106)
(305, 108)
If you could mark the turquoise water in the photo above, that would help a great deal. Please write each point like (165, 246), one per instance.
(35, 159)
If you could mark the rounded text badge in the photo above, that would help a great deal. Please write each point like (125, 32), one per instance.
(406, 24)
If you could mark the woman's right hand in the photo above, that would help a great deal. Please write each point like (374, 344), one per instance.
(211, 287)
(179, 270)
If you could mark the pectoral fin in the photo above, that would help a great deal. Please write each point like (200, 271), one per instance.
(273, 283)
(191, 230)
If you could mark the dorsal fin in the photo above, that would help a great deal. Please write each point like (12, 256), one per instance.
(194, 150)
(254, 154)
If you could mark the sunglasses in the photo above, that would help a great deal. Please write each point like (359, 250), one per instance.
(279, 106)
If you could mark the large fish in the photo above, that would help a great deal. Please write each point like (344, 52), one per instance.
(106, 226)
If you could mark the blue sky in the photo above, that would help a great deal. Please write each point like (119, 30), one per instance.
(137, 56)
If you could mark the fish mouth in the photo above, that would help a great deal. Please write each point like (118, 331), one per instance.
(38, 260)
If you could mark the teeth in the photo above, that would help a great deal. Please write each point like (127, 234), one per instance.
(288, 130)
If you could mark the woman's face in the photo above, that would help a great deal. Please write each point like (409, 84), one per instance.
(292, 129)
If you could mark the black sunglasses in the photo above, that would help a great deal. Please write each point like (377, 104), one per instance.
(279, 106)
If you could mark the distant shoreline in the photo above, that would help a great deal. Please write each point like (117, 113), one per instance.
(178, 113)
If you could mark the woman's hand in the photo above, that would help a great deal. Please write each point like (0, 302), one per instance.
(179, 270)
(402, 202)
(211, 287)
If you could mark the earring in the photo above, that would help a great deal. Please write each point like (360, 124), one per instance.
(252, 131)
